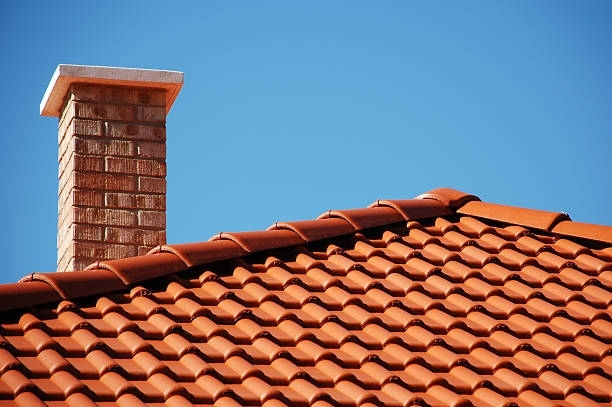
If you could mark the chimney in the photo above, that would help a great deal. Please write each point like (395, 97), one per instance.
(112, 160)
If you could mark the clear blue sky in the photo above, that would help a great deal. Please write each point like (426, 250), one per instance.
(293, 108)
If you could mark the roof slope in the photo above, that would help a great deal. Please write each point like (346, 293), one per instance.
(439, 300)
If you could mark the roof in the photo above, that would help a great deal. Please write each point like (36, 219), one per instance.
(439, 300)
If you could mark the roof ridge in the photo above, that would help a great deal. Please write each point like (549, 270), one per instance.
(115, 275)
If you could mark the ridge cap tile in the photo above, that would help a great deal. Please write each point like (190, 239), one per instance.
(198, 253)
(26, 292)
(365, 218)
(415, 209)
(76, 284)
(317, 229)
(601, 233)
(449, 197)
(261, 240)
(514, 215)
(141, 268)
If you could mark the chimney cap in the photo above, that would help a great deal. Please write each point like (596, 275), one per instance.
(65, 75)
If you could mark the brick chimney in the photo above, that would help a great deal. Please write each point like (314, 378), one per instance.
(112, 160)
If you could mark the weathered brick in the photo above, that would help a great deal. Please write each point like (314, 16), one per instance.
(130, 200)
(86, 110)
(88, 163)
(152, 238)
(126, 95)
(87, 93)
(151, 149)
(107, 182)
(136, 131)
(133, 236)
(135, 166)
(142, 250)
(104, 147)
(154, 219)
(66, 147)
(79, 162)
(88, 197)
(154, 114)
(122, 235)
(103, 250)
(105, 216)
(150, 201)
(119, 200)
(83, 127)
(151, 184)
(86, 232)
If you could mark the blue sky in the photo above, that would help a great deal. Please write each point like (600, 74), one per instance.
(293, 108)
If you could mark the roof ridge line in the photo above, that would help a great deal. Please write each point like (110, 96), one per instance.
(114, 275)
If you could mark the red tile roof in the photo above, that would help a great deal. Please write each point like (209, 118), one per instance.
(439, 300)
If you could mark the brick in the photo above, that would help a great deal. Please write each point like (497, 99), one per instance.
(88, 163)
(125, 95)
(154, 114)
(123, 235)
(65, 129)
(150, 184)
(83, 127)
(66, 147)
(81, 163)
(119, 200)
(67, 115)
(107, 182)
(87, 93)
(86, 110)
(105, 216)
(142, 250)
(136, 131)
(66, 184)
(88, 197)
(138, 237)
(149, 201)
(154, 238)
(103, 147)
(130, 200)
(86, 232)
(151, 149)
(135, 166)
(101, 251)
(155, 219)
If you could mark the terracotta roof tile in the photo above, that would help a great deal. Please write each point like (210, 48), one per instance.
(441, 300)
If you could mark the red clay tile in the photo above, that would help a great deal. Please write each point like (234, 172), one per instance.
(531, 218)
(264, 240)
(365, 218)
(313, 230)
(25, 293)
(136, 269)
(415, 209)
(202, 252)
(449, 197)
(600, 233)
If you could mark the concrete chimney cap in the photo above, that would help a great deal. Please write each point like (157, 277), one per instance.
(65, 75)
